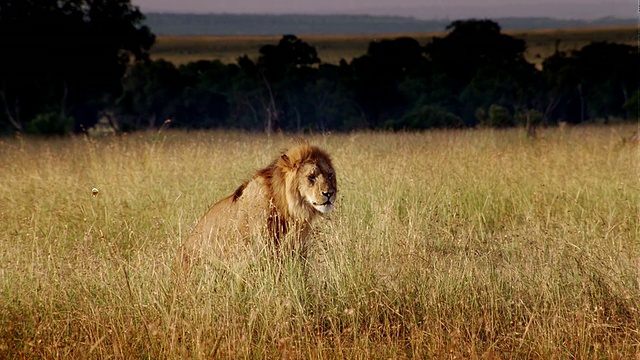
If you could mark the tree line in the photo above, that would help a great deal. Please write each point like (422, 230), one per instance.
(67, 64)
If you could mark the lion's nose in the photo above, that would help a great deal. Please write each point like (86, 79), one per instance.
(328, 194)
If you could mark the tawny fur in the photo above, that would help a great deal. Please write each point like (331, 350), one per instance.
(279, 202)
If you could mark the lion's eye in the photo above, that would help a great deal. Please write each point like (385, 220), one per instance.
(312, 178)
(330, 176)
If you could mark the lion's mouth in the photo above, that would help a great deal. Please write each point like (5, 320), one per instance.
(324, 207)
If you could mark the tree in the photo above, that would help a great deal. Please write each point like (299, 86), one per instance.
(377, 76)
(331, 102)
(469, 46)
(152, 94)
(280, 76)
(476, 65)
(426, 117)
(498, 116)
(66, 56)
(632, 106)
(290, 52)
(517, 87)
(606, 72)
(204, 102)
(593, 82)
(560, 75)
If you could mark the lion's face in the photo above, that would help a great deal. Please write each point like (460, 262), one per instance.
(310, 181)
(317, 185)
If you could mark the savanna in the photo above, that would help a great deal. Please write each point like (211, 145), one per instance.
(442, 244)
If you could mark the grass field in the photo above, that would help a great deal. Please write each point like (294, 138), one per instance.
(332, 48)
(443, 244)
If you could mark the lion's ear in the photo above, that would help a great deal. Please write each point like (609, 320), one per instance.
(284, 161)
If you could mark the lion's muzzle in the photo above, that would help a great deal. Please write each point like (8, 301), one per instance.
(328, 205)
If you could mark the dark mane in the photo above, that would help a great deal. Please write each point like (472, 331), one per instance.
(239, 190)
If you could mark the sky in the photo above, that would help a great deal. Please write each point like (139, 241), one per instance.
(577, 9)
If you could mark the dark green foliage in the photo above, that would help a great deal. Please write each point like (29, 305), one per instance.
(50, 123)
(290, 52)
(376, 78)
(498, 117)
(286, 89)
(151, 94)
(191, 96)
(90, 57)
(426, 117)
(68, 55)
(331, 103)
(593, 82)
(470, 46)
(204, 102)
(609, 74)
(528, 117)
(483, 67)
(632, 106)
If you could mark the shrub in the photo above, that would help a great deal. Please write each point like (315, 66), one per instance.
(51, 123)
(498, 116)
(425, 117)
(535, 117)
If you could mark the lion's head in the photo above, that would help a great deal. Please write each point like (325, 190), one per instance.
(310, 180)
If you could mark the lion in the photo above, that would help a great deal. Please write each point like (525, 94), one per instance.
(279, 202)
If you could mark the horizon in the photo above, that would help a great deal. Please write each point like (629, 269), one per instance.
(435, 10)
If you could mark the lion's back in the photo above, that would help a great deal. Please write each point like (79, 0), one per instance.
(238, 216)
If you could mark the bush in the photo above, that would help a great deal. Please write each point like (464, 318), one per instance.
(481, 115)
(632, 106)
(425, 117)
(51, 123)
(498, 117)
(535, 117)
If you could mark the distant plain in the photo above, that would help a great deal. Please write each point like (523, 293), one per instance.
(332, 48)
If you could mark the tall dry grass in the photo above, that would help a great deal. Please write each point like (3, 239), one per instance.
(443, 244)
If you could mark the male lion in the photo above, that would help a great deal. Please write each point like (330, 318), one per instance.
(281, 199)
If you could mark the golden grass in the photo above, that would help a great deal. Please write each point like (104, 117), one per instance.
(465, 244)
(332, 48)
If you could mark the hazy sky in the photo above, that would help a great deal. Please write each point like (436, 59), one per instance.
(417, 8)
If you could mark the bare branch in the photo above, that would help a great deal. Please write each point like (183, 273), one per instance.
(14, 120)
